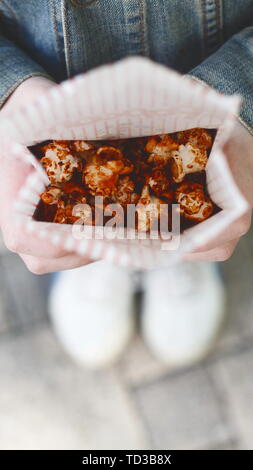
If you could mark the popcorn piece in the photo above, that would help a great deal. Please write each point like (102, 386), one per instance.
(160, 148)
(60, 215)
(143, 210)
(194, 204)
(82, 146)
(103, 169)
(197, 137)
(66, 199)
(101, 179)
(74, 191)
(65, 215)
(84, 213)
(125, 192)
(59, 162)
(160, 183)
(51, 195)
(187, 159)
(109, 153)
(149, 209)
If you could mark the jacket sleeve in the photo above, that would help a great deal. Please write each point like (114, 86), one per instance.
(15, 67)
(230, 70)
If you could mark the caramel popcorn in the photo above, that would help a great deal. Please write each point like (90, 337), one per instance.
(160, 183)
(160, 148)
(187, 159)
(74, 191)
(151, 172)
(82, 146)
(194, 204)
(61, 215)
(59, 162)
(197, 137)
(125, 191)
(110, 153)
(64, 199)
(71, 212)
(51, 196)
(101, 178)
(149, 209)
(102, 171)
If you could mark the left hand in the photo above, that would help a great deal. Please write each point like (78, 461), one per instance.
(239, 153)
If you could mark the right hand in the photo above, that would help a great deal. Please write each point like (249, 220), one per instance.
(39, 256)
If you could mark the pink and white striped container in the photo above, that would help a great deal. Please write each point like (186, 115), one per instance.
(130, 98)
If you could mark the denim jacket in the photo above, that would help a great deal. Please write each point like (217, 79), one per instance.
(209, 39)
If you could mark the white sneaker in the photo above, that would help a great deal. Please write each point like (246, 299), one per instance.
(183, 310)
(92, 312)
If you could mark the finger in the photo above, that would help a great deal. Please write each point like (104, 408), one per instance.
(235, 230)
(221, 253)
(13, 175)
(43, 266)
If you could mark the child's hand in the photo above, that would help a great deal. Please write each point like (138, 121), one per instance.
(239, 152)
(39, 256)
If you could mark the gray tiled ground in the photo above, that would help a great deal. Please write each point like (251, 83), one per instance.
(232, 377)
(48, 402)
(193, 394)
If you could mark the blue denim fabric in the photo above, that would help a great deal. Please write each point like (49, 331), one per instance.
(211, 39)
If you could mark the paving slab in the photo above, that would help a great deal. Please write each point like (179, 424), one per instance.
(233, 378)
(47, 402)
(182, 411)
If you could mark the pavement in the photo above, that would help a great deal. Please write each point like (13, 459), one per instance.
(48, 402)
